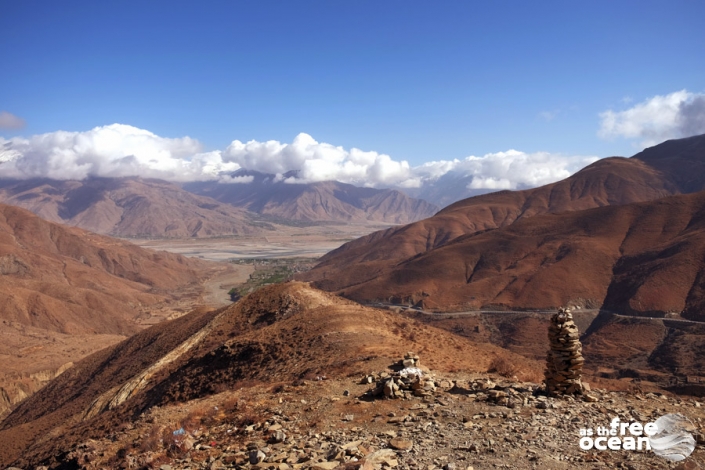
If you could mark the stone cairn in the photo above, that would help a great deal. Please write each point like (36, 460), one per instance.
(405, 383)
(564, 361)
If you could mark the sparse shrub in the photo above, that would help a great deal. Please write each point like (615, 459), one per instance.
(118, 458)
(192, 421)
(231, 404)
(503, 367)
(170, 441)
(220, 387)
(210, 416)
(153, 441)
(246, 383)
(245, 419)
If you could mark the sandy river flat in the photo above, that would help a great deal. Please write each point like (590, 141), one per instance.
(288, 242)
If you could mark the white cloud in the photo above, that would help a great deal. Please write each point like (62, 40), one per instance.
(490, 183)
(121, 150)
(10, 121)
(227, 179)
(110, 151)
(508, 170)
(316, 161)
(679, 114)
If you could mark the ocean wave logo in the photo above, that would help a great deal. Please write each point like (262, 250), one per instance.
(673, 439)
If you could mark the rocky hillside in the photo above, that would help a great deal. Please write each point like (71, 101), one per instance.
(65, 293)
(643, 259)
(328, 201)
(130, 207)
(56, 278)
(266, 383)
(681, 161)
(329, 424)
(277, 335)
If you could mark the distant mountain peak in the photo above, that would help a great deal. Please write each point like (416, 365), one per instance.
(329, 201)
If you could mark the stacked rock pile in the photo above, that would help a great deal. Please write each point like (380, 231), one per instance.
(410, 360)
(404, 383)
(564, 361)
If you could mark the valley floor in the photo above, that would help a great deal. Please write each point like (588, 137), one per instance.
(288, 242)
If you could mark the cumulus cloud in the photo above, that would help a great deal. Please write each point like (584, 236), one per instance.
(229, 179)
(120, 150)
(110, 151)
(10, 121)
(507, 170)
(679, 114)
(316, 161)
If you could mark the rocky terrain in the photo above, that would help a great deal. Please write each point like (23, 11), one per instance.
(266, 383)
(274, 335)
(663, 352)
(673, 167)
(328, 201)
(330, 423)
(65, 293)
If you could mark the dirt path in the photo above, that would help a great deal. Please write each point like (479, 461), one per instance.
(216, 288)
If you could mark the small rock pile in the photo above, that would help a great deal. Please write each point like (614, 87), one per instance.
(564, 361)
(410, 360)
(405, 383)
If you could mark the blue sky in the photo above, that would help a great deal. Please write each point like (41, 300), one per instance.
(418, 81)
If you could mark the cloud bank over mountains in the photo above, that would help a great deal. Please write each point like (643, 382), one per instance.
(120, 150)
(109, 151)
(662, 117)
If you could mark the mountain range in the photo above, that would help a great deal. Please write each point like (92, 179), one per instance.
(325, 201)
(624, 235)
(604, 237)
(129, 207)
(149, 208)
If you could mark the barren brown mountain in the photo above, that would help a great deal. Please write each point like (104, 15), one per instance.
(130, 207)
(277, 335)
(328, 201)
(66, 292)
(673, 167)
(642, 258)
